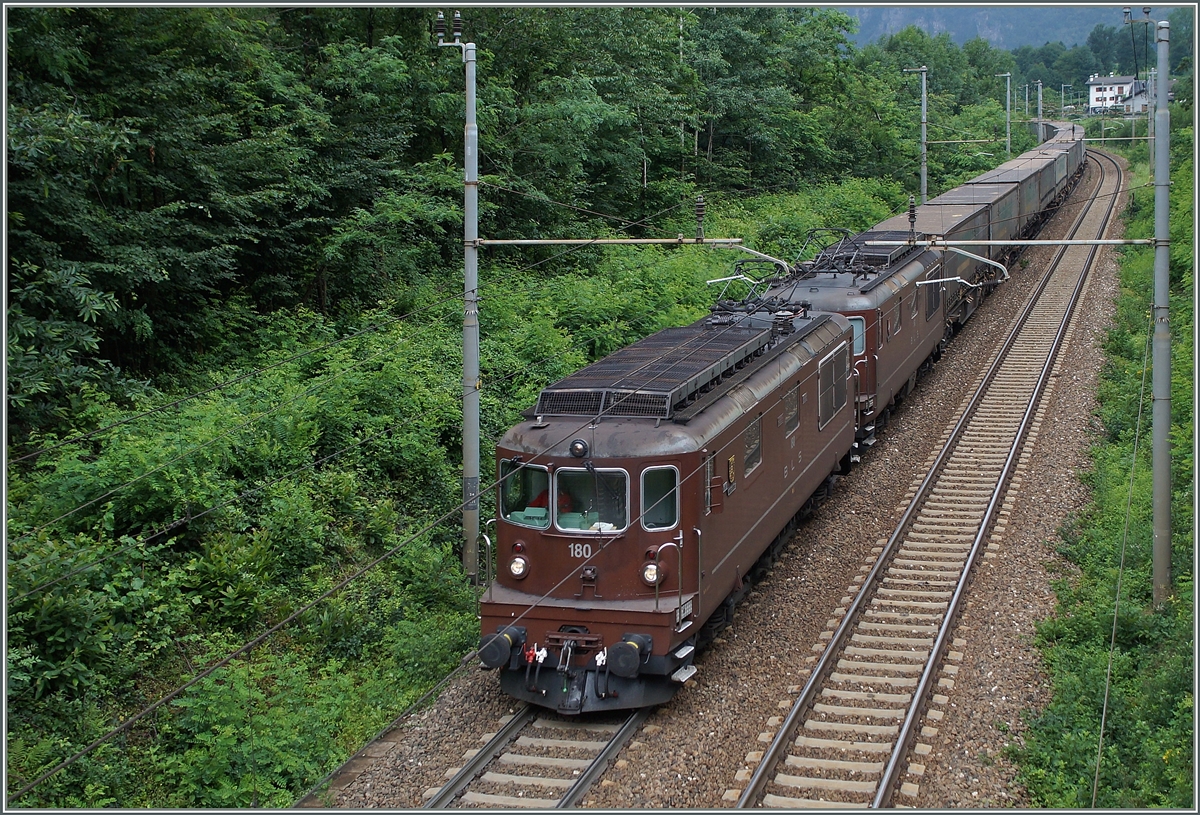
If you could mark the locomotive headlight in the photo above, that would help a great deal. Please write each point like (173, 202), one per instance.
(652, 574)
(518, 567)
(578, 448)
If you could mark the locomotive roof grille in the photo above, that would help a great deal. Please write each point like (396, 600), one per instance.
(886, 255)
(647, 379)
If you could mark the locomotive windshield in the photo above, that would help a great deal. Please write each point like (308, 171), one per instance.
(525, 494)
(591, 500)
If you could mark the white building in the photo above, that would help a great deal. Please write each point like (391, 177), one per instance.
(1146, 97)
(1105, 92)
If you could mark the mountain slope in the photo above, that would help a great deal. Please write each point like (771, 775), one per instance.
(1006, 27)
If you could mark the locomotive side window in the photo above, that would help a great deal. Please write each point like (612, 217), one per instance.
(916, 307)
(933, 296)
(753, 445)
(598, 500)
(791, 410)
(660, 498)
(524, 494)
(708, 480)
(859, 326)
(833, 372)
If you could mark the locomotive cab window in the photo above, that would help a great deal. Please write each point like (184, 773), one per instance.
(591, 500)
(660, 498)
(833, 372)
(859, 326)
(524, 494)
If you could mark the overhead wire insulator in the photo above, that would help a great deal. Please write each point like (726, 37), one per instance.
(912, 219)
(700, 206)
(457, 26)
(440, 26)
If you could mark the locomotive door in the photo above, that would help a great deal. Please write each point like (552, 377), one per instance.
(863, 363)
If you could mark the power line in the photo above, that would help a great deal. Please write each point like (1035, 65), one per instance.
(125, 725)
(1112, 645)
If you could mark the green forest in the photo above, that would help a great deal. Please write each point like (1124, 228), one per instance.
(234, 321)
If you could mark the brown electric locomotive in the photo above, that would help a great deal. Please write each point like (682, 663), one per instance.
(641, 492)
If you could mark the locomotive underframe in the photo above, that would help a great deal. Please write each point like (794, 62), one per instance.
(561, 666)
(579, 593)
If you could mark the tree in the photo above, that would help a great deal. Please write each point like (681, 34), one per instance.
(1102, 43)
(1075, 66)
(174, 171)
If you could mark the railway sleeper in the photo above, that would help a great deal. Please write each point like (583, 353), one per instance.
(899, 667)
(838, 785)
(535, 780)
(835, 764)
(846, 711)
(484, 800)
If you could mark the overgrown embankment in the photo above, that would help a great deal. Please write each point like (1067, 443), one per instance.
(1137, 676)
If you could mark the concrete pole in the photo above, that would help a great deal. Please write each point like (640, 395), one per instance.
(1151, 87)
(1039, 87)
(1161, 385)
(1008, 115)
(924, 138)
(470, 379)
(471, 329)
(1007, 112)
(923, 70)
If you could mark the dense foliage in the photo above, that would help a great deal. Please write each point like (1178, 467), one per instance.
(176, 173)
(234, 324)
(1147, 758)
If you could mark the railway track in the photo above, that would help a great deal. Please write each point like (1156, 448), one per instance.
(848, 738)
(536, 760)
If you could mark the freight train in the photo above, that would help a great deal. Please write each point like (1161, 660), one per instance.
(642, 495)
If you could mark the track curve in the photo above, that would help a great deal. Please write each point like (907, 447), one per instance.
(859, 712)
